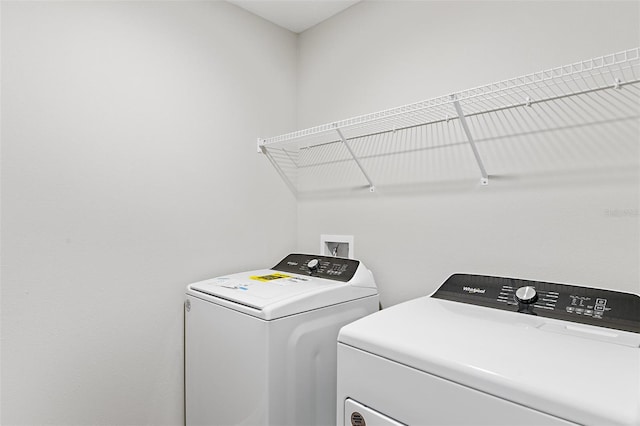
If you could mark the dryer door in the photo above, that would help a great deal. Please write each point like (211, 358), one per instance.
(356, 414)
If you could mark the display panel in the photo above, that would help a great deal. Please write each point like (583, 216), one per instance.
(605, 308)
(332, 268)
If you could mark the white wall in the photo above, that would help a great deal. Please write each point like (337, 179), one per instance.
(576, 226)
(129, 169)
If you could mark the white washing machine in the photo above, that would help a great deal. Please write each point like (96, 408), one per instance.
(494, 351)
(261, 345)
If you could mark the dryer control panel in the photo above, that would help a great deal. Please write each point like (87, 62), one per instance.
(605, 308)
(331, 268)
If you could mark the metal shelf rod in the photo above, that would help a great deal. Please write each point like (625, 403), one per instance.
(372, 187)
(467, 131)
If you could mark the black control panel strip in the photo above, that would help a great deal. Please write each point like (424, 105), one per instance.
(331, 268)
(585, 305)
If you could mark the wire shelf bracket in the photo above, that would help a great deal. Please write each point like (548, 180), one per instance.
(372, 187)
(463, 121)
(276, 165)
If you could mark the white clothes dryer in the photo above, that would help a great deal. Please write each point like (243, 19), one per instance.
(260, 346)
(494, 351)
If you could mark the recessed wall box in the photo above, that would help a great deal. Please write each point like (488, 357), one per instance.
(337, 245)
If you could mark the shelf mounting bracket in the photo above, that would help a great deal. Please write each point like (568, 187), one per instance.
(281, 172)
(372, 187)
(617, 84)
(485, 177)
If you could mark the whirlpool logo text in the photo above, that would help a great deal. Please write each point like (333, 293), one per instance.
(473, 290)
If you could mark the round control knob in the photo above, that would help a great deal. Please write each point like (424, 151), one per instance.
(526, 295)
(313, 264)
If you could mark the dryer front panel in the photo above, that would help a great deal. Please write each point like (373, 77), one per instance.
(413, 397)
(356, 414)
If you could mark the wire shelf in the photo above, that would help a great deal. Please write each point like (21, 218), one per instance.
(602, 94)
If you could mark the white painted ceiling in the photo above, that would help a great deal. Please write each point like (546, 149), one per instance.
(294, 15)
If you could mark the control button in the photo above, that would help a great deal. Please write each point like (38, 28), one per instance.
(570, 309)
(599, 308)
(588, 312)
(601, 301)
(579, 310)
(526, 295)
(313, 264)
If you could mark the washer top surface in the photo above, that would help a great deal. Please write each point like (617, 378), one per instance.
(579, 372)
(299, 283)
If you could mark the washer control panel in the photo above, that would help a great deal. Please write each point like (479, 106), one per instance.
(331, 268)
(605, 308)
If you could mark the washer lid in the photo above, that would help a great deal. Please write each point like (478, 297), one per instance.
(275, 293)
(582, 373)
